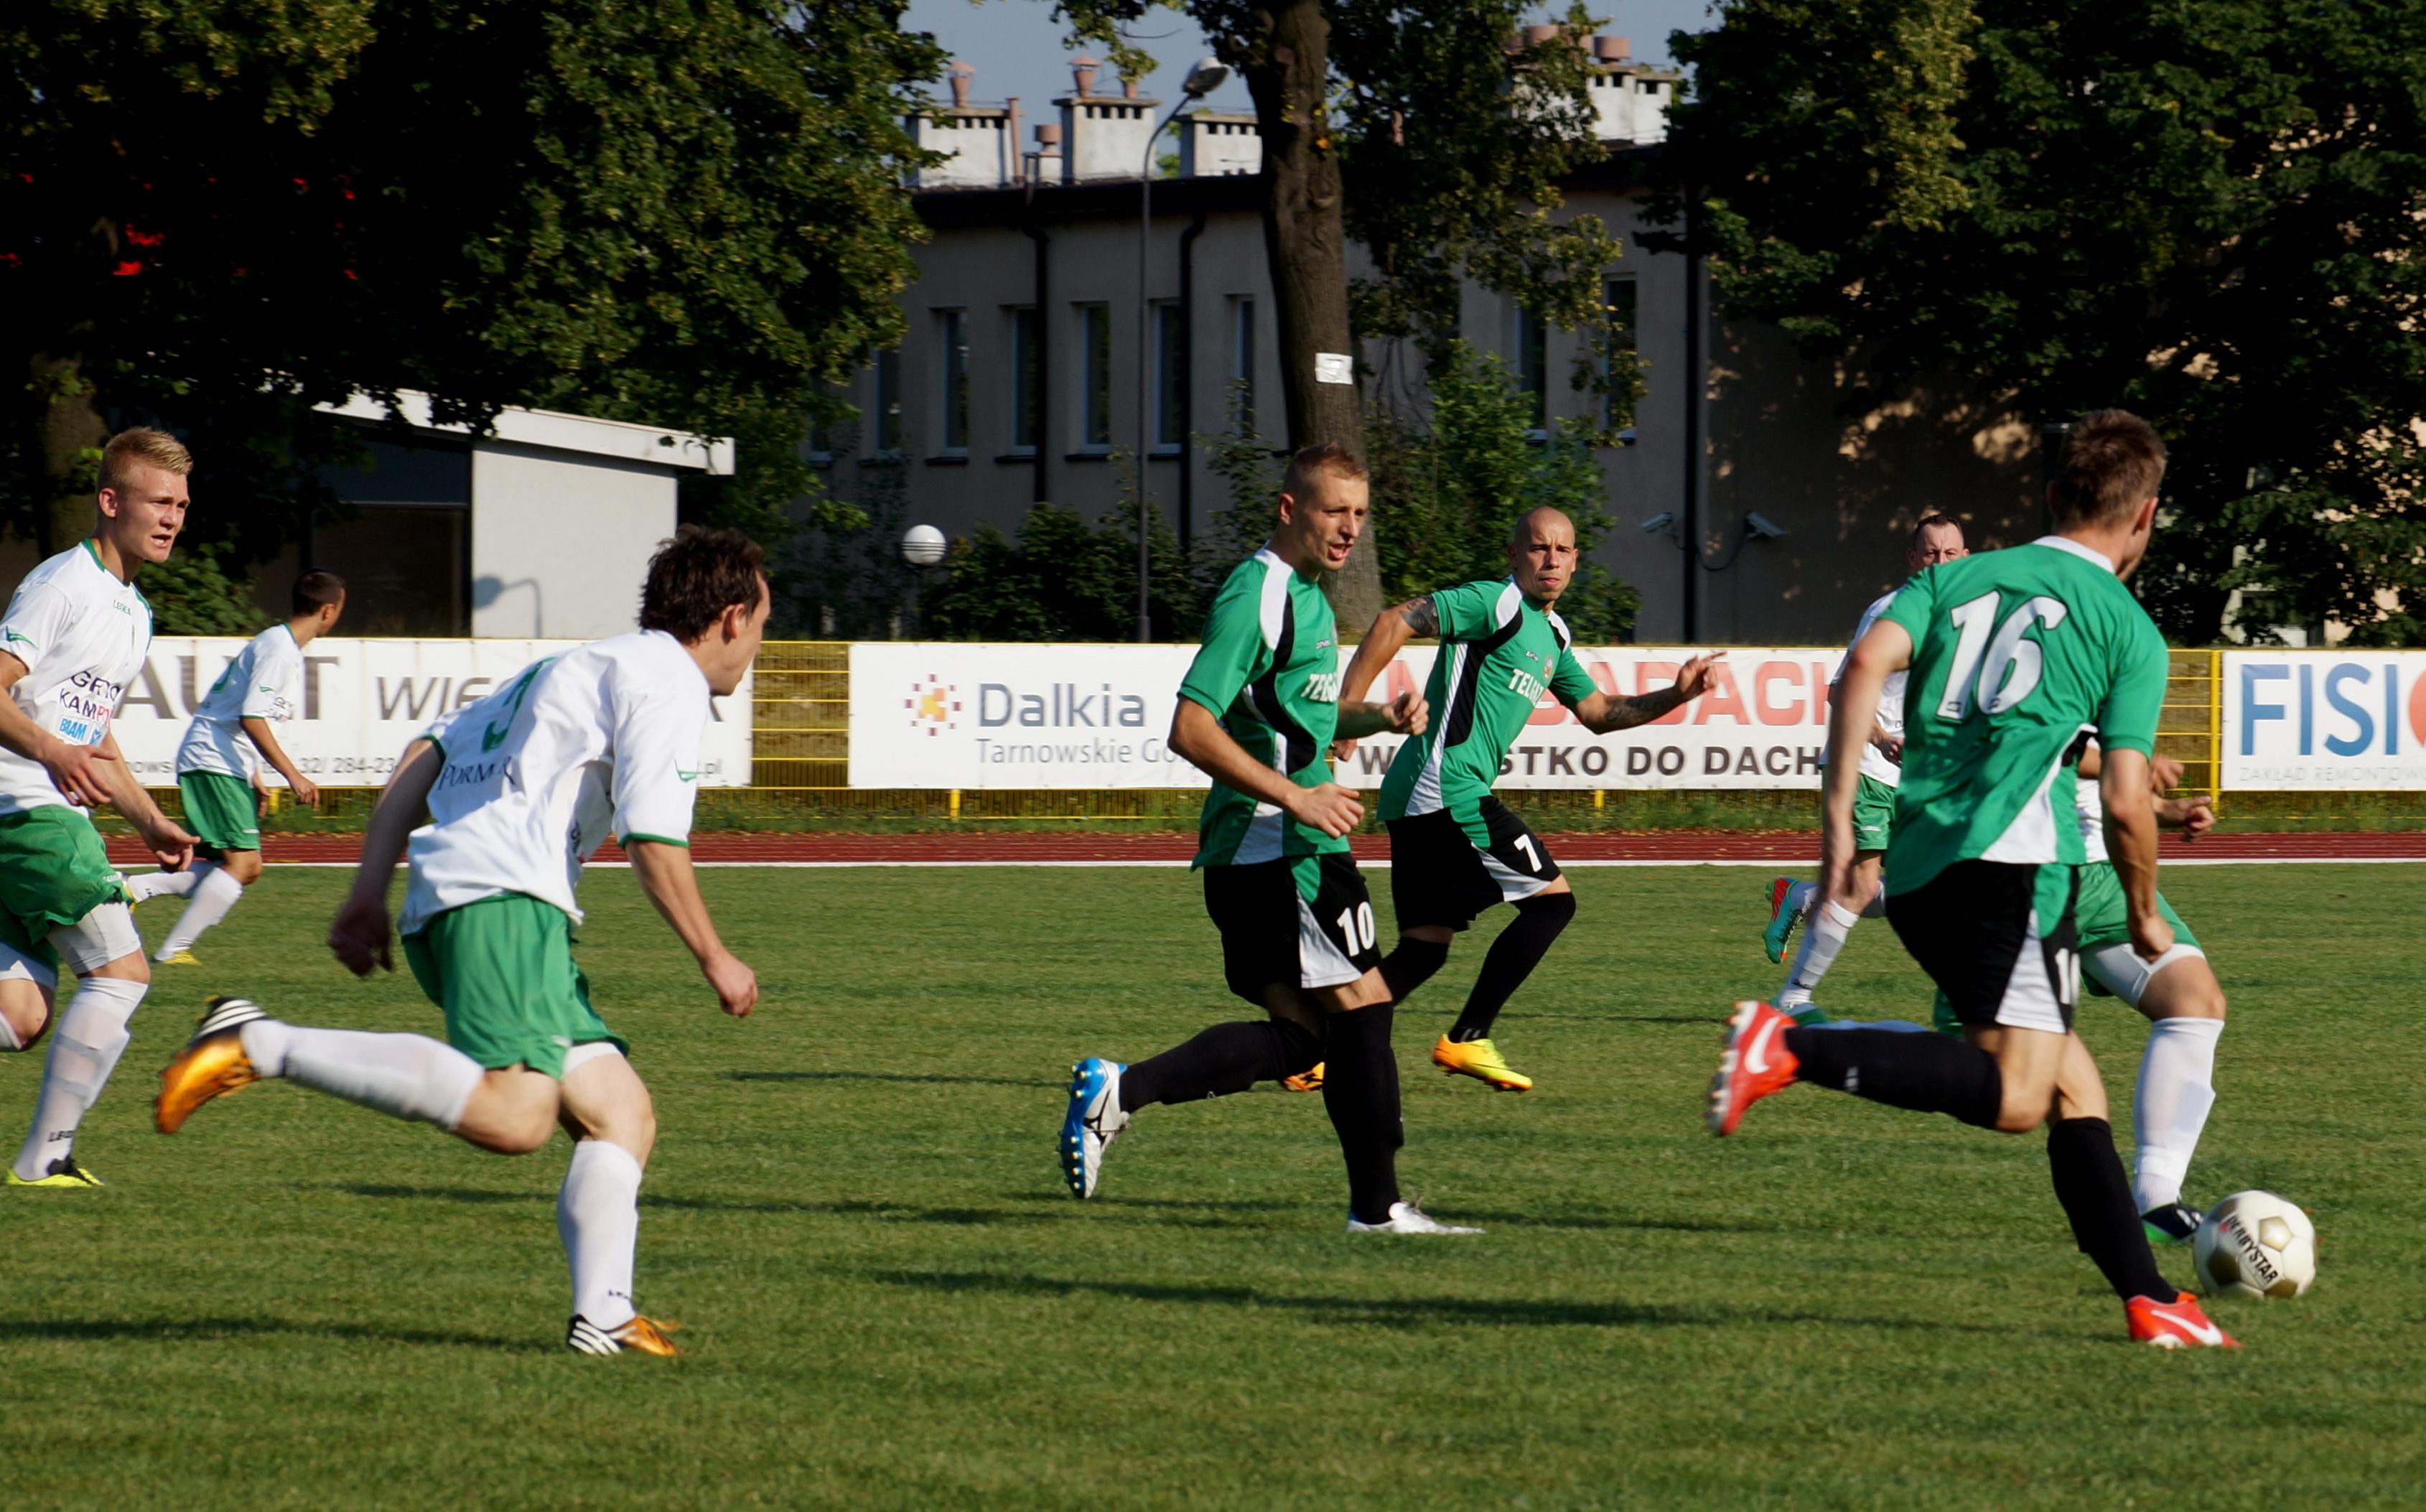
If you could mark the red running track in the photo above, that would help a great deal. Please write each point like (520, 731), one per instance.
(1785, 848)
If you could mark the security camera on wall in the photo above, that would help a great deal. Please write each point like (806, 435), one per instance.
(1763, 527)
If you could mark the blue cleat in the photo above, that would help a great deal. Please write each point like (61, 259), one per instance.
(1095, 1119)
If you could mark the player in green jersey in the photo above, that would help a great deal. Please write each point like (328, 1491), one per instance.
(2015, 657)
(1259, 708)
(1456, 851)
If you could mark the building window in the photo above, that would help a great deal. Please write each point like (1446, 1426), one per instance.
(405, 550)
(1094, 377)
(1533, 367)
(1243, 362)
(886, 432)
(1169, 376)
(1025, 355)
(1618, 300)
(952, 367)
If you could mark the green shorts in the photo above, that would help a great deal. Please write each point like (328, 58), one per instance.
(1873, 813)
(53, 872)
(220, 810)
(502, 969)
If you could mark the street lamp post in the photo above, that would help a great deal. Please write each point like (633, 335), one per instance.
(1205, 77)
(922, 548)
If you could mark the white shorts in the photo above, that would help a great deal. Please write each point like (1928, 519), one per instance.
(2123, 971)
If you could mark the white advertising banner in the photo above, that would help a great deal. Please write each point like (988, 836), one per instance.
(364, 700)
(948, 714)
(2351, 720)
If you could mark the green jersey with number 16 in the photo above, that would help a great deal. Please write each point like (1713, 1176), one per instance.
(1270, 671)
(2016, 654)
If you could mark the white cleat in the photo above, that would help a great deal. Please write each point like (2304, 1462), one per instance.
(1093, 1120)
(1405, 1217)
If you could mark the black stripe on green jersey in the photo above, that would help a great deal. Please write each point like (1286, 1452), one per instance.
(1460, 723)
(1296, 744)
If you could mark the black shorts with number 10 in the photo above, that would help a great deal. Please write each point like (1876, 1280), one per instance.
(1305, 920)
(1441, 874)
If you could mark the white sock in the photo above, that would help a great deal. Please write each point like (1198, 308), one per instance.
(2169, 1110)
(85, 1047)
(598, 1218)
(214, 895)
(1823, 935)
(404, 1076)
(1799, 895)
(144, 885)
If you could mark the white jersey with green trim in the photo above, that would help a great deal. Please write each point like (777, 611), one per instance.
(599, 741)
(82, 636)
(1890, 718)
(264, 681)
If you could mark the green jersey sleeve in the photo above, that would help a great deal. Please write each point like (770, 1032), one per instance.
(1234, 653)
(1468, 611)
(1915, 607)
(2127, 719)
(1570, 684)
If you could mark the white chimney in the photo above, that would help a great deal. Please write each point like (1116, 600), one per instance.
(1103, 137)
(1214, 143)
(1629, 100)
(977, 141)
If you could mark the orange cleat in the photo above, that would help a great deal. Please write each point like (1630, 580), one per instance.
(1308, 1080)
(1754, 1063)
(213, 1062)
(640, 1336)
(2175, 1325)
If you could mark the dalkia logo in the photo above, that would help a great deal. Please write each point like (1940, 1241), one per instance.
(931, 706)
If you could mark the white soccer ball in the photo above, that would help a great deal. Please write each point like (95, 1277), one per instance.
(2254, 1244)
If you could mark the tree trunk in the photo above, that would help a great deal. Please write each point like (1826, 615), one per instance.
(1288, 67)
(69, 428)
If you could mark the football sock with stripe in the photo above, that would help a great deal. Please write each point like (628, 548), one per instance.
(404, 1076)
(1411, 965)
(1823, 936)
(85, 1046)
(1228, 1057)
(146, 885)
(1510, 959)
(213, 896)
(1926, 1073)
(1360, 1091)
(2169, 1111)
(2097, 1197)
(598, 1218)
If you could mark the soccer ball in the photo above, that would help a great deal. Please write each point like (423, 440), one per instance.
(2254, 1244)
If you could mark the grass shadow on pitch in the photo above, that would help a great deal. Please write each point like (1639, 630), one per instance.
(1457, 1313)
(163, 1330)
(893, 1076)
(385, 1191)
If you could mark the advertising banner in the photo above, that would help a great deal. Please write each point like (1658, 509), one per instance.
(945, 715)
(2351, 720)
(363, 701)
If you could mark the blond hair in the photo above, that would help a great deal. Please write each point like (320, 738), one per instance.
(1322, 460)
(2113, 463)
(137, 448)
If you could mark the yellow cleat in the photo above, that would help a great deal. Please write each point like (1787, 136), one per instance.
(1480, 1060)
(645, 1336)
(212, 1062)
(1308, 1080)
(63, 1171)
(182, 957)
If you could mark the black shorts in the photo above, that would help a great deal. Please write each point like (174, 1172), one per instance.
(1439, 875)
(1272, 932)
(1998, 940)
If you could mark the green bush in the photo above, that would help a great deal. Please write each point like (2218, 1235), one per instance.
(190, 594)
(1062, 579)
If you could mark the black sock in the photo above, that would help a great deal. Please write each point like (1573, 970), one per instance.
(1228, 1057)
(1360, 1091)
(2097, 1197)
(1519, 948)
(1927, 1073)
(1411, 965)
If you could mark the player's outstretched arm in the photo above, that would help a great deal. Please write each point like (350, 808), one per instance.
(306, 791)
(360, 934)
(168, 839)
(1883, 650)
(1391, 631)
(667, 877)
(1199, 739)
(2131, 845)
(1604, 712)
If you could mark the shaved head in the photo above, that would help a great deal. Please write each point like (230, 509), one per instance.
(1542, 554)
(1522, 531)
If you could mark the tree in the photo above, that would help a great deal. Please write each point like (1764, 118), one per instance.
(1421, 132)
(218, 213)
(2206, 212)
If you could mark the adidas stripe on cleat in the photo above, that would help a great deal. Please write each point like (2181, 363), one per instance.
(212, 1064)
(640, 1336)
(2172, 1224)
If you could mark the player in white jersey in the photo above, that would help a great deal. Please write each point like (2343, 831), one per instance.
(521, 788)
(219, 762)
(75, 635)
(1937, 539)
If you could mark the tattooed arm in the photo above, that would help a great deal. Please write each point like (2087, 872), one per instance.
(1392, 629)
(1602, 713)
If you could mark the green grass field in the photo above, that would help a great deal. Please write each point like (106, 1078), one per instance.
(855, 1211)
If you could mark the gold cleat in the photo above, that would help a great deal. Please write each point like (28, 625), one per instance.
(646, 1336)
(212, 1064)
(1308, 1080)
(1480, 1060)
(182, 957)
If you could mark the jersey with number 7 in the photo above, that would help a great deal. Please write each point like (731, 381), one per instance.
(2015, 653)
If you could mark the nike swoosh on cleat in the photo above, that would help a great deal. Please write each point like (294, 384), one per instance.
(2205, 1334)
(1755, 1058)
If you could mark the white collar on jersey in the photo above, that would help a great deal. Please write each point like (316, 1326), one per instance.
(2087, 553)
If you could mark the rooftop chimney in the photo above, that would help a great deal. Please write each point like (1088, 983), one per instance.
(1128, 85)
(960, 73)
(1611, 49)
(1048, 138)
(1537, 36)
(1083, 70)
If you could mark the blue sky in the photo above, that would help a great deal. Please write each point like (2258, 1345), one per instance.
(1017, 47)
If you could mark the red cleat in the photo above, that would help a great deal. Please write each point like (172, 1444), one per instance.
(2175, 1325)
(1755, 1063)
